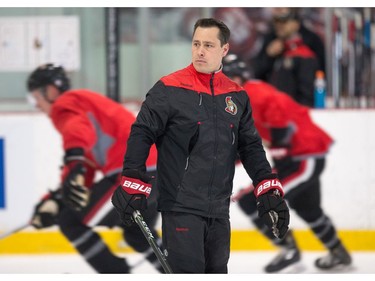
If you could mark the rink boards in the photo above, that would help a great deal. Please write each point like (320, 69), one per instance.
(29, 169)
(52, 241)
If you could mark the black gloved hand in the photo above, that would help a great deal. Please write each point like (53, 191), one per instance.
(75, 194)
(274, 212)
(272, 208)
(47, 210)
(131, 195)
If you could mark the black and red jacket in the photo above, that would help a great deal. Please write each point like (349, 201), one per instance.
(294, 71)
(199, 122)
(262, 62)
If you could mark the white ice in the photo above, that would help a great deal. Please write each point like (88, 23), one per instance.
(241, 263)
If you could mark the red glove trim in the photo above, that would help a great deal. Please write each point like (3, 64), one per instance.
(266, 185)
(135, 186)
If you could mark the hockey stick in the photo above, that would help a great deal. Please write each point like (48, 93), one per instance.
(6, 234)
(151, 240)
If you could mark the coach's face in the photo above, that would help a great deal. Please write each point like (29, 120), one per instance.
(207, 52)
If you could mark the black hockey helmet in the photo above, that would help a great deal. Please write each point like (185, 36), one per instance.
(48, 74)
(233, 66)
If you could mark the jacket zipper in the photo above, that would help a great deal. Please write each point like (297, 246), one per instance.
(233, 134)
(187, 159)
(215, 136)
(187, 163)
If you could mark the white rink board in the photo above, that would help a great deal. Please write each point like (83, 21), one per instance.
(33, 154)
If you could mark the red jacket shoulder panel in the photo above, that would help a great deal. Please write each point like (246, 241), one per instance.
(189, 78)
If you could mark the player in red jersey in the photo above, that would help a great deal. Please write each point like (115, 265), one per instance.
(94, 131)
(298, 147)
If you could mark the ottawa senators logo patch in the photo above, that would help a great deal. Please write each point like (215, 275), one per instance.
(231, 106)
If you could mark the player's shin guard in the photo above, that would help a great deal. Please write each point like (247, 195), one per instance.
(106, 262)
(96, 253)
(326, 232)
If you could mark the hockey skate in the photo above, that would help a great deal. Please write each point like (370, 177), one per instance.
(337, 257)
(288, 255)
(285, 258)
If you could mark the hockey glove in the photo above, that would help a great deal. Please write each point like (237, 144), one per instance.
(272, 208)
(74, 192)
(131, 195)
(47, 210)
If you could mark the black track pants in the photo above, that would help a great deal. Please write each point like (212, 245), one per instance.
(196, 244)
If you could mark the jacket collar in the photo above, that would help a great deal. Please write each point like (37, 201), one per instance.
(206, 76)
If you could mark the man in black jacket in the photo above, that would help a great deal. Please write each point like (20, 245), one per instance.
(290, 56)
(200, 121)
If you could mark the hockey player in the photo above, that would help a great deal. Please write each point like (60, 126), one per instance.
(298, 148)
(94, 131)
(199, 120)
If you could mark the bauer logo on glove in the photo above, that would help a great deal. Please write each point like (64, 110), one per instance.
(134, 186)
(266, 185)
(131, 195)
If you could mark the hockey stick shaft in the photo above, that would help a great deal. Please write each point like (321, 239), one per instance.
(6, 234)
(152, 241)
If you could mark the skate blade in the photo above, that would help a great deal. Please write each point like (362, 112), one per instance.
(297, 267)
(341, 268)
(294, 268)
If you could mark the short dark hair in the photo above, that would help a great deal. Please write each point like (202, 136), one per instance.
(291, 14)
(224, 32)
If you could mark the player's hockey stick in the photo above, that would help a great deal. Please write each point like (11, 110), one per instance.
(151, 240)
(6, 234)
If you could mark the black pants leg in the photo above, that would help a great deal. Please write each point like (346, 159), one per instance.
(196, 244)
